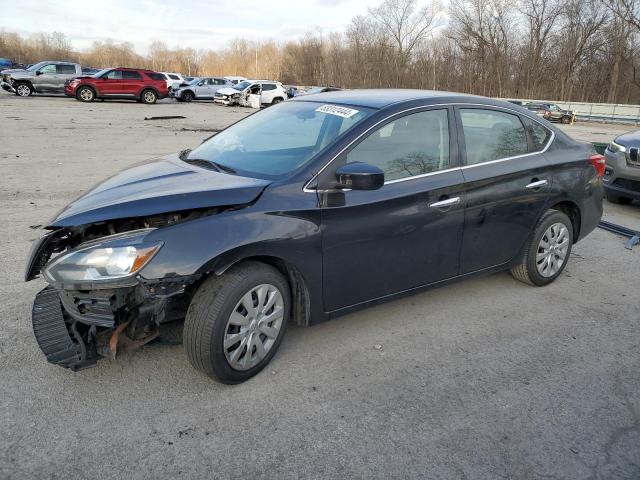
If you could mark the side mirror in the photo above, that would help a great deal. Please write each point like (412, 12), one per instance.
(360, 176)
(38, 72)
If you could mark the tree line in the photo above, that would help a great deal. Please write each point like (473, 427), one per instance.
(566, 50)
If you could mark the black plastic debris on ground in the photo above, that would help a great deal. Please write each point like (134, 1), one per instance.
(165, 117)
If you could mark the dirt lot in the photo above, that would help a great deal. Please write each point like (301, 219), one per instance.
(484, 379)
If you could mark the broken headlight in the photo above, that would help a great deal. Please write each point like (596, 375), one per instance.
(109, 258)
(615, 148)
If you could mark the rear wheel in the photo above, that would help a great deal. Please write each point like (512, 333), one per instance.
(236, 322)
(23, 89)
(276, 100)
(85, 94)
(149, 97)
(615, 198)
(547, 250)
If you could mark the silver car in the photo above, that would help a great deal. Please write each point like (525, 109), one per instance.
(201, 88)
(622, 173)
(43, 77)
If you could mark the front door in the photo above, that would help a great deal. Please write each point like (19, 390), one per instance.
(110, 83)
(507, 182)
(45, 78)
(406, 234)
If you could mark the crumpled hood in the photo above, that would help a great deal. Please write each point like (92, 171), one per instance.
(227, 91)
(158, 186)
(9, 71)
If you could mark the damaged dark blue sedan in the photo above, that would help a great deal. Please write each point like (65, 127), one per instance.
(304, 211)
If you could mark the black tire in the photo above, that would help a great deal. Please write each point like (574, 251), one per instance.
(527, 271)
(615, 198)
(212, 305)
(187, 96)
(23, 89)
(85, 94)
(565, 120)
(148, 96)
(276, 100)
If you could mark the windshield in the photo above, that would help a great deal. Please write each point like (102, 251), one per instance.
(242, 85)
(193, 81)
(280, 139)
(36, 66)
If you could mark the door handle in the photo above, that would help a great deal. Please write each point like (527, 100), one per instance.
(537, 184)
(445, 203)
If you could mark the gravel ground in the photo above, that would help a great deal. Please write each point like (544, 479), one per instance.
(484, 379)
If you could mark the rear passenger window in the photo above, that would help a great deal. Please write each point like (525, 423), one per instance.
(128, 75)
(174, 77)
(491, 135)
(411, 145)
(66, 69)
(268, 86)
(539, 135)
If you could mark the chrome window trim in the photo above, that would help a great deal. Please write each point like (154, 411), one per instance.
(306, 188)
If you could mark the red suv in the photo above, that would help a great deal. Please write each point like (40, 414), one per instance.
(142, 85)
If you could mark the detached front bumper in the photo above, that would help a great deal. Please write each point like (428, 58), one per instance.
(7, 87)
(75, 329)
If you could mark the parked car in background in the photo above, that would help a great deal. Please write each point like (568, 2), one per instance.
(144, 86)
(42, 77)
(268, 91)
(235, 80)
(203, 88)
(173, 79)
(622, 173)
(5, 63)
(319, 206)
(552, 112)
(313, 90)
(90, 70)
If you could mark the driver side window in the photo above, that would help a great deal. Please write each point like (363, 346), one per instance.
(408, 146)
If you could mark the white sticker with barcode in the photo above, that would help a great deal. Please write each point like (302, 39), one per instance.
(344, 112)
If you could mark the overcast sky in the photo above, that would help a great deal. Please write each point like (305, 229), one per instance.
(192, 23)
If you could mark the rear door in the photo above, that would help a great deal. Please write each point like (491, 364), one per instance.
(507, 183)
(131, 83)
(406, 234)
(64, 73)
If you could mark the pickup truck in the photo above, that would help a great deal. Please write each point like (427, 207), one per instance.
(43, 77)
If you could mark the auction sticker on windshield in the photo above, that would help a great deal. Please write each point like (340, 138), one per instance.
(344, 112)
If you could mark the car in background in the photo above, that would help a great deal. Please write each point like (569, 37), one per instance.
(313, 90)
(42, 77)
(203, 88)
(173, 79)
(90, 70)
(269, 91)
(319, 206)
(552, 112)
(234, 79)
(144, 86)
(622, 172)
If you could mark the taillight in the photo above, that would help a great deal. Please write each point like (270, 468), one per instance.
(598, 163)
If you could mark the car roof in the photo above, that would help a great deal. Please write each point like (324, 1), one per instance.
(381, 98)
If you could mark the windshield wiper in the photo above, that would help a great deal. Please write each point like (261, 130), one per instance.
(210, 164)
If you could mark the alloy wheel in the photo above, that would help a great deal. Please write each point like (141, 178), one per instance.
(86, 94)
(149, 97)
(254, 326)
(552, 250)
(23, 90)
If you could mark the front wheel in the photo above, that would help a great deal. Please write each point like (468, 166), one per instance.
(85, 94)
(187, 96)
(547, 250)
(565, 120)
(149, 97)
(23, 89)
(236, 322)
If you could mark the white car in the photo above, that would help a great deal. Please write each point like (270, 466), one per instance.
(269, 92)
(173, 79)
